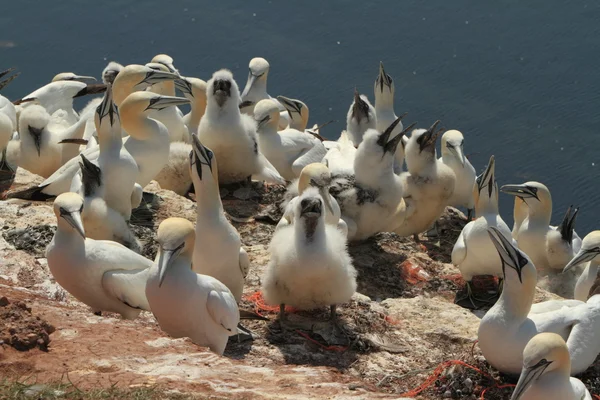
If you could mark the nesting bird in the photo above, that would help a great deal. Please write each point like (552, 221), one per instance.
(588, 255)
(187, 304)
(453, 155)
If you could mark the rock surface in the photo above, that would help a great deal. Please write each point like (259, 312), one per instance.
(399, 329)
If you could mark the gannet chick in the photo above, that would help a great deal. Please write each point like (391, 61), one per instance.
(194, 90)
(297, 111)
(175, 175)
(384, 111)
(428, 184)
(70, 76)
(453, 155)
(184, 303)
(100, 273)
(110, 72)
(171, 117)
(508, 326)
(560, 243)
(474, 253)
(361, 116)
(371, 200)
(289, 150)
(218, 251)
(310, 266)
(317, 177)
(588, 255)
(101, 222)
(340, 158)
(546, 372)
(231, 135)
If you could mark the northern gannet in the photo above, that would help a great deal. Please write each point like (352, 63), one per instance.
(384, 111)
(508, 326)
(428, 184)
(256, 90)
(297, 111)
(314, 176)
(8, 108)
(184, 303)
(340, 158)
(474, 253)
(232, 135)
(288, 150)
(310, 266)
(588, 255)
(110, 72)
(546, 372)
(453, 155)
(70, 76)
(218, 250)
(361, 117)
(371, 200)
(100, 273)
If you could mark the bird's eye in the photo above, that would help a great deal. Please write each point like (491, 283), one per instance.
(81, 208)
(62, 211)
(449, 145)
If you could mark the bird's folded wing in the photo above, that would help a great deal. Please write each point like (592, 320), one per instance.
(223, 309)
(129, 286)
(244, 262)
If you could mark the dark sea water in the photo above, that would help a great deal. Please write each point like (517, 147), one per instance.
(520, 79)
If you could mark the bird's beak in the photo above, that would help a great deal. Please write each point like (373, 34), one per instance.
(183, 85)
(36, 133)
(326, 198)
(487, 178)
(290, 105)
(170, 67)
(528, 377)
(162, 102)
(263, 121)
(92, 175)
(458, 153)
(74, 219)
(392, 145)
(110, 75)
(509, 255)
(107, 107)
(383, 79)
(251, 79)
(200, 155)
(360, 109)
(567, 225)
(522, 191)
(583, 256)
(9, 79)
(154, 76)
(385, 135)
(165, 260)
(83, 78)
(429, 137)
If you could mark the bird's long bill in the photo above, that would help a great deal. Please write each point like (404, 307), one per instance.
(326, 199)
(568, 224)
(155, 76)
(459, 153)
(487, 178)
(164, 262)
(580, 258)
(527, 378)
(251, 79)
(383, 78)
(74, 219)
(107, 107)
(183, 85)
(518, 190)
(506, 250)
(166, 101)
(83, 78)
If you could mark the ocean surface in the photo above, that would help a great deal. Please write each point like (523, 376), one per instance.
(520, 79)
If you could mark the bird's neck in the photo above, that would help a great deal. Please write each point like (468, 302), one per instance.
(196, 114)
(540, 214)
(138, 126)
(384, 101)
(516, 297)
(208, 199)
(165, 88)
(66, 233)
(487, 204)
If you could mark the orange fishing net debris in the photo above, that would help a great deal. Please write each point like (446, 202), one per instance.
(321, 345)
(441, 368)
(412, 273)
(260, 305)
(390, 320)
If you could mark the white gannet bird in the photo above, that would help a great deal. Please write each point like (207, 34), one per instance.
(508, 326)
(6, 133)
(101, 222)
(561, 245)
(428, 184)
(361, 117)
(110, 72)
(171, 117)
(184, 303)
(194, 90)
(218, 250)
(474, 253)
(384, 111)
(297, 111)
(39, 149)
(70, 76)
(546, 373)
(340, 158)
(371, 200)
(256, 90)
(315, 177)
(453, 155)
(589, 256)
(100, 273)
(166, 61)
(148, 143)
(289, 150)
(310, 266)
(231, 135)
(8, 108)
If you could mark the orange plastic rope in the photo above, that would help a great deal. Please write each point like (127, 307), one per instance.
(260, 305)
(596, 396)
(410, 272)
